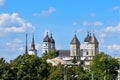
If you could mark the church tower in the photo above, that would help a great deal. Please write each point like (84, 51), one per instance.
(26, 49)
(48, 44)
(52, 41)
(94, 45)
(90, 45)
(32, 50)
(75, 47)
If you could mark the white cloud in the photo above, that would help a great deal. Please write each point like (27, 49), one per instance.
(116, 8)
(103, 35)
(13, 23)
(74, 23)
(21, 49)
(2, 2)
(113, 47)
(92, 14)
(97, 23)
(78, 31)
(16, 44)
(113, 28)
(48, 12)
(38, 46)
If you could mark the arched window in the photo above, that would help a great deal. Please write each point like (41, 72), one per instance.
(87, 53)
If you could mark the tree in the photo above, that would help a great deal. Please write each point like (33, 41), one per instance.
(56, 72)
(4, 68)
(104, 66)
(25, 66)
(49, 55)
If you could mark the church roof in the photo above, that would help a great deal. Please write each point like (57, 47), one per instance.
(46, 39)
(32, 45)
(51, 39)
(64, 53)
(75, 40)
(87, 38)
(94, 39)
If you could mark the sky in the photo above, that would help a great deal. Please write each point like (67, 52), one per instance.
(62, 18)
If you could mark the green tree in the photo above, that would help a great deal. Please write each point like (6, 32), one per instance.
(4, 68)
(25, 66)
(56, 72)
(49, 55)
(104, 66)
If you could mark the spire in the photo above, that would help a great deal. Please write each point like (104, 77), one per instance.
(26, 50)
(87, 33)
(46, 39)
(51, 39)
(33, 44)
(75, 40)
(88, 37)
(94, 39)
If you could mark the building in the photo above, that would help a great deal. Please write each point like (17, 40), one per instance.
(48, 44)
(32, 50)
(83, 55)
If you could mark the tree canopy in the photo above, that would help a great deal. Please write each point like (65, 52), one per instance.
(31, 67)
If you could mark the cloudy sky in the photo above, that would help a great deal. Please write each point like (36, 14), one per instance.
(62, 18)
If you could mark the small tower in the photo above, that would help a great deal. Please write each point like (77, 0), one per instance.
(32, 50)
(75, 47)
(52, 41)
(94, 45)
(90, 45)
(46, 44)
(26, 49)
(86, 46)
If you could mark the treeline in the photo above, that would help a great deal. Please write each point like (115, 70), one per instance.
(30, 67)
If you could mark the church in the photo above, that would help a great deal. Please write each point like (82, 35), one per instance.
(82, 53)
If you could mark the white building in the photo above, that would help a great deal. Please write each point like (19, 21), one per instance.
(83, 55)
(32, 50)
(48, 44)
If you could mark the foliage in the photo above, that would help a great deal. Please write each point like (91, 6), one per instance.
(49, 55)
(31, 67)
(4, 67)
(104, 66)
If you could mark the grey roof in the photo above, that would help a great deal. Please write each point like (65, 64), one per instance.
(91, 39)
(46, 39)
(64, 53)
(94, 39)
(51, 39)
(75, 40)
(32, 45)
(88, 37)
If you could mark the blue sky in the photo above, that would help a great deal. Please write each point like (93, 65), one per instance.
(62, 18)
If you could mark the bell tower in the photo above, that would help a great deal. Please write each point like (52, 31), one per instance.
(32, 50)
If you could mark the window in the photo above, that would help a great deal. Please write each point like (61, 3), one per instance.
(87, 53)
(45, 51)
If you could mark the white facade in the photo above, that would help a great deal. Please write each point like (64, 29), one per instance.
(84, 55)
(46, 47)
(33, 52)
(48, 44)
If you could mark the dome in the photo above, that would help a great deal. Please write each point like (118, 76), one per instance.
(51, 39)
(87, 38)
(46, 39)
(94, 39)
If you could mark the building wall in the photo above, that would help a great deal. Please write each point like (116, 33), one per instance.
(74, 50)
